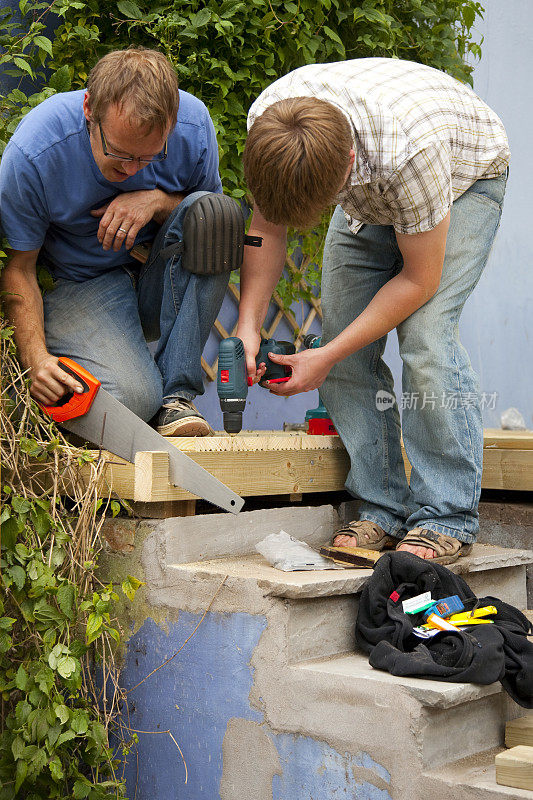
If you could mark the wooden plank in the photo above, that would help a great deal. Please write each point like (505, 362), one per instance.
(514, 767)
(247, 472)
(281, 462)
(508, 440)
(519, 731)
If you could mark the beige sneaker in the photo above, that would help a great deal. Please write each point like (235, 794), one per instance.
(181, 418)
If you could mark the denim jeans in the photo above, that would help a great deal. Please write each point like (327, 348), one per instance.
(442, 424)
(104, 324)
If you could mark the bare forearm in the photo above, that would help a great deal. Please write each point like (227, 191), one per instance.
(24, 308)
(260, 273)
(167, 202)
(391, 305)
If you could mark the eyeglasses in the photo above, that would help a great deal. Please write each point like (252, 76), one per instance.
(142, 160)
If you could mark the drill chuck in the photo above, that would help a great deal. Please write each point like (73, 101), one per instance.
(232, 414)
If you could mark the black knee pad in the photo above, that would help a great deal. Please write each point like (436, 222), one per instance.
(213, 236)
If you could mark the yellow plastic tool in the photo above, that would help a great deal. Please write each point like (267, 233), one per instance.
(486, 611)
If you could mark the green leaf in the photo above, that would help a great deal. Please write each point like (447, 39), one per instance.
(65, 737)
(18, 575)
(62, 713)
(44, 612)
(10, 530)
(333, 36)
(53, 734)
(21, 679)
(79, 722)
(81, 789)
(94, 623)
(44, 43)
(35, 696)
(129, 9)
(40, 520)
(65, 598)
(56, 770)
(66, 666)
(130, 586)
(25, 67)
(20, 774)
(17, 747)
(469, 16)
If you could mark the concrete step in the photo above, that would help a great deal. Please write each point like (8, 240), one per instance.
(322, 605)
(453, 720)
(471, 778)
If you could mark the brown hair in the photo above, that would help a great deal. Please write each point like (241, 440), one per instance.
(141, 81)
(295, 159)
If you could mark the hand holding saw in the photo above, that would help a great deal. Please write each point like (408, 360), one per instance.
(100, 418)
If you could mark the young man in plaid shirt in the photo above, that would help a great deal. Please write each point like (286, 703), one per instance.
(417, 165)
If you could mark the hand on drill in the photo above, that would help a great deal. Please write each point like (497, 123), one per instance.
(251, 340)
(309, 368)
(309, 371)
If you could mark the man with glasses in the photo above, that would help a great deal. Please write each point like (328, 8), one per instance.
(86, 175)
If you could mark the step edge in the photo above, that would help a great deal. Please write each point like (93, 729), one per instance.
(448, 695)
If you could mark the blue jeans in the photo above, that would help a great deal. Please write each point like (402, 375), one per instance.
(442, 423)
(104, 324)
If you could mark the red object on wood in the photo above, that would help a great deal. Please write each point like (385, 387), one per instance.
(73, 404)
(322, 426)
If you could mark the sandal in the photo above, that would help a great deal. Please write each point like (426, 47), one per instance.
(447, 548)
(367, 535)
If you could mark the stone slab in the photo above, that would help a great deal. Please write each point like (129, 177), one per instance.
(275, 583)
(473, 777)
(317, 583)
(435, 694)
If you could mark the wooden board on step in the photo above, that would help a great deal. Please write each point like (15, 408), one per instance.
(514, 767)
(351, 556)
(519, 731)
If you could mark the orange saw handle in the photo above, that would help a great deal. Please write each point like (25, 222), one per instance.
(73, 404)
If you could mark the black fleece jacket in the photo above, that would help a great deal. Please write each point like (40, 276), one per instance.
(481, 654)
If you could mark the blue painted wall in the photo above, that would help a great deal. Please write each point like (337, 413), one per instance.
(195, 696)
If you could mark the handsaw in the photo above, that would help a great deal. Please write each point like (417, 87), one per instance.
(100, 418)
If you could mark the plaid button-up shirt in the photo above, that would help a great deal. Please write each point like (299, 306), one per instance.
(421, 138)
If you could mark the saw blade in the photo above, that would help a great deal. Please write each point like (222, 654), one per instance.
(111, 426)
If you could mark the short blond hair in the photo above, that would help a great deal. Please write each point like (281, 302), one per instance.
(141, 81)
(295, 160)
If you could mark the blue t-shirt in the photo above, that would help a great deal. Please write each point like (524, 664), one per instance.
(49, 182)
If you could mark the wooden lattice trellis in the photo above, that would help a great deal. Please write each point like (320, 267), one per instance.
(140, 252)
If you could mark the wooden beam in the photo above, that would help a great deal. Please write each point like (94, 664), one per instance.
(519, 731)
(282, 463)
(514, 767)
(508, 440)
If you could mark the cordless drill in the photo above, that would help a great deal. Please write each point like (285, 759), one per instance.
(233, 381)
